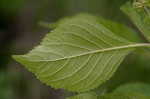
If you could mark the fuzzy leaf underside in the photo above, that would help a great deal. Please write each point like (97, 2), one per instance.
(81, 53)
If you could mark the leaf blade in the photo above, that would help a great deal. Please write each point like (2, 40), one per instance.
(79, 55)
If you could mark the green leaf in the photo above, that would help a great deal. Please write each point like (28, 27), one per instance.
(137, 91)
(140, 17)
(124, 96)
(89, 95)
(134, 87)
(6, 90)
(130, 91)
(81, 53)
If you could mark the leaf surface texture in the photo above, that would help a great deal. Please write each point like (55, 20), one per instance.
(81, 53)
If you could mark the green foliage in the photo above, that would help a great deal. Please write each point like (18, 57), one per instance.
(84, 51)
(134, 87)
(129, 91)
(6, 91)
(88, 95)
(140, 17)
(110, 96)
(124, 96)
(11, 6)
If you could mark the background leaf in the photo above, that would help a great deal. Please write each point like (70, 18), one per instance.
(139, 17)
(88, 95)
(134, 87)
(6, 91)
(124, 96)
(129, 91)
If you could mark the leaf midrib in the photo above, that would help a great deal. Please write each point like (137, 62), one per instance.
(96, 51)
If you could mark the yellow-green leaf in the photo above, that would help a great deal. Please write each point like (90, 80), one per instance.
(81, 53)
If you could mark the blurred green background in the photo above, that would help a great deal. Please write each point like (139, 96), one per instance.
(20, 32)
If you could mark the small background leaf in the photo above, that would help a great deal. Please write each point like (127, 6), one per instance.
(139, 17)
(89, 95)
(130, 91)
(124, 96)
(134, 87)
